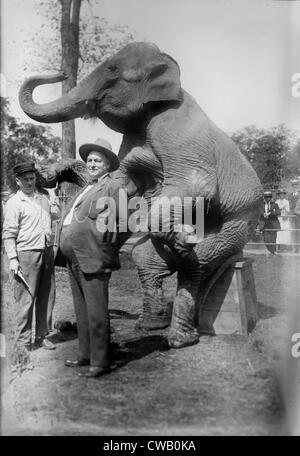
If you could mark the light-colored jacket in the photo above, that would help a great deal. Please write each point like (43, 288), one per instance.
(27, 223)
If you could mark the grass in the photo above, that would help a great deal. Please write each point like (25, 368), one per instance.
(225, 385)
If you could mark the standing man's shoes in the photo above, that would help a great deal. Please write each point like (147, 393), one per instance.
(48, 345)
(95, 371)
(77, 362)
(45, 343)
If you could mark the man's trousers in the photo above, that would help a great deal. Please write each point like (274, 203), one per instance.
(270, 240)
(36, 267)
(90, 296)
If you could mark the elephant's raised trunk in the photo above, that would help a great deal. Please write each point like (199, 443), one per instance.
(69, 106)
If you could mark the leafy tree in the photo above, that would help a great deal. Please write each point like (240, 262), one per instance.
(97, 38)
(272, 152)
(73, 39)
(22, 141)
(293, 160)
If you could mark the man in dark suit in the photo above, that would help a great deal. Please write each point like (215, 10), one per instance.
(294, 198)
(91, 254)
(270, 221)
(294, 195)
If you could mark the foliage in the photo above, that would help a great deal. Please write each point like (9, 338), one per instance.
(72, 39)
(98, 39)
(293, 160)
(22, 141)
(274, 153)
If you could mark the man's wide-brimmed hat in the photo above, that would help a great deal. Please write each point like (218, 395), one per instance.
(103, 146)
(281, 190)
(24, 167)
(268, 193)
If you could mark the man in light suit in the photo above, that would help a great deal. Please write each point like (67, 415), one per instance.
(91, 256)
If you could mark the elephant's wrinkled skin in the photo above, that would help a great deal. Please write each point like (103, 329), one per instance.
(175, 149)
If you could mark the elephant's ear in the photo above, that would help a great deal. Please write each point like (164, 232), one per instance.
(163, 81)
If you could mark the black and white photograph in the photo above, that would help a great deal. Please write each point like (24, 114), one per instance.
(150, 220)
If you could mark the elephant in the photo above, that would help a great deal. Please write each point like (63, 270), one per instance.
(170, 148)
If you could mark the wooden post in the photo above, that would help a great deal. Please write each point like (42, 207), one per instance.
(230, 303)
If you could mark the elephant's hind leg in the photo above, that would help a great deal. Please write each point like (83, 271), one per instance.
(183, 332)
(153, 265)
(212, 252)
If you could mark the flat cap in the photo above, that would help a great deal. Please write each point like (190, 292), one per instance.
(25, 167)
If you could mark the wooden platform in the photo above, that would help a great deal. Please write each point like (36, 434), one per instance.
(229, 304)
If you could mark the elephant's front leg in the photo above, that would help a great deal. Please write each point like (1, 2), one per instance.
(153, 264)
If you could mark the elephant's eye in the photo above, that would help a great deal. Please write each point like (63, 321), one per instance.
(112, 67)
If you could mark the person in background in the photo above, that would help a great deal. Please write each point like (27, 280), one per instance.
(294, 200)
(4, 198)
(284, 235)
(294, 195)
(26, 235)
(270, 221)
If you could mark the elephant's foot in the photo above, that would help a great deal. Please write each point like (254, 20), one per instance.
(183, 332)
(183, 247)
(179, 339)
(157, 310)
(152, 322)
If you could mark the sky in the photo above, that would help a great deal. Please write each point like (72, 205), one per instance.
(237, 57)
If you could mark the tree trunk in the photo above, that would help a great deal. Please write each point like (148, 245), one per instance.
(70, 14)
(68, 139)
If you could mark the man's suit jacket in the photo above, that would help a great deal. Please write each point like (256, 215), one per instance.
(59, 258)
(272, 221)
(97, 250)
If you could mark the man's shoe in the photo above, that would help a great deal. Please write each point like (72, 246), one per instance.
(77, 362)
(47, 345)
(95, 371)
(43, 342)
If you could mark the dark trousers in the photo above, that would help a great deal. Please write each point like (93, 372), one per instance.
(36, 269)
(270, 240)
(90, 296)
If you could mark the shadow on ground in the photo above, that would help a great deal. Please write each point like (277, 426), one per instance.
(265, 312)
(137, 348)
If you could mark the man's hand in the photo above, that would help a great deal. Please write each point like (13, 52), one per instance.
(186, 234)
(14, 265)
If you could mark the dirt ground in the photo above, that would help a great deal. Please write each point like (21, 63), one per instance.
(225, 385)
